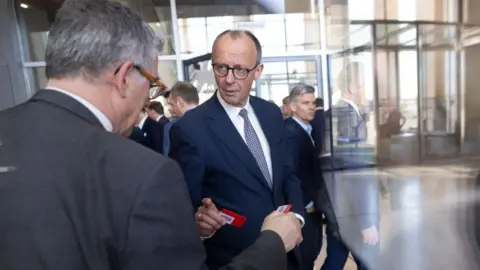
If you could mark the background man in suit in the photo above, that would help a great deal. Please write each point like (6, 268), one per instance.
(347, 105)
(77, 195)
(231, 149)
(182, 98)
(153, 125)
(156, 112)
(318, 126)
(305, 163)
(286, 111)
(149, 129)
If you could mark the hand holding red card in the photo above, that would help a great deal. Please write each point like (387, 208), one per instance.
(233, 218)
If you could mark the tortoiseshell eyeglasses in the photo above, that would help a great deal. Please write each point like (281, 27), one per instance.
(157, 87)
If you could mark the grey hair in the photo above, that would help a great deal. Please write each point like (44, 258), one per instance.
(299, 90)
(89, 37)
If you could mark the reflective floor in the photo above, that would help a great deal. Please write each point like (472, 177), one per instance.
(426, 216)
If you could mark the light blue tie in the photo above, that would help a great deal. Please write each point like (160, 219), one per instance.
(255, 147)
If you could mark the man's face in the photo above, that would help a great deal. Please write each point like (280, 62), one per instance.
(303, 107)
(131, 95)
(174, 106)
(237, 53)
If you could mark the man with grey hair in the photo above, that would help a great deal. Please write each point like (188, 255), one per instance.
(304, 161)
(76, 194)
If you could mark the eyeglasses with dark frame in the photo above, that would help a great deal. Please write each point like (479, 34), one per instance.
(154, 82)
(239, 73)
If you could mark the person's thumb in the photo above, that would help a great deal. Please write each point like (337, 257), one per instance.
(208, 203)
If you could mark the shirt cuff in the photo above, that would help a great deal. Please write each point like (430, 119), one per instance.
(300, 218)
(203, 238)
(309, 205)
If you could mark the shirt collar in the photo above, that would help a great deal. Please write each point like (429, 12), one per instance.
(306, 127)
(94, 110)
(233, 111)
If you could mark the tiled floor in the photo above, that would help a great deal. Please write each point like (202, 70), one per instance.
(425, 221)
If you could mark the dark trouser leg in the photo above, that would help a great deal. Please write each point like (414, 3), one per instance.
(337, 253)
(312, 240)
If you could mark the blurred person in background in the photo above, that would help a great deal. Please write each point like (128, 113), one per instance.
(318, 126)
(149, 130)
(182, 98)
(286, 111)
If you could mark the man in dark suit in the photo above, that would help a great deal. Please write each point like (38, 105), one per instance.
(318, 126)
(76, 195)
(305, 163)
(286, 111)
(151, 127)
(181, 98)
(231, 149)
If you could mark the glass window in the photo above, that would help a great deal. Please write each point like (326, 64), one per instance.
(35, 20)
(216, 25)
(279, 26)
(167, 71)
(193, 35)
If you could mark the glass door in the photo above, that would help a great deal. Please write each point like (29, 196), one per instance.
(280, 74)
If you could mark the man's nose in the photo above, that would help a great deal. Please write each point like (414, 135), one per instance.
(230, 78)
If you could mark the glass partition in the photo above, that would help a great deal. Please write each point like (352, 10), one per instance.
(407, 81)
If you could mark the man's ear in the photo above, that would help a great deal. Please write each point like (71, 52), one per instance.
(258, 72)
(292, 106)
(121, 78)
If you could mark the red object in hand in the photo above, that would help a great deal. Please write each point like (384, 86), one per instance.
(233, 218)
(284, 208)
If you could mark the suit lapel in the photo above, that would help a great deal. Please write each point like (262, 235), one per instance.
(299, 129)
(223, 128)
(67, 103)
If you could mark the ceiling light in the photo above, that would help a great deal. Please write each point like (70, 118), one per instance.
(157, 24)
(23, 5)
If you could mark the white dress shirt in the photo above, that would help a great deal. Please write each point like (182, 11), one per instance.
(238, 122)
(106, 123)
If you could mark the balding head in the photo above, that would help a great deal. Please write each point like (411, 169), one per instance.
(236, 57)
(236, 34)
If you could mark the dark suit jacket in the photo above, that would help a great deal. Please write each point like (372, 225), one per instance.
(218, 164)
(154, 131)
(163, 120)
(140, 137)
(78, 197)
(318, 130)
(305, 164)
